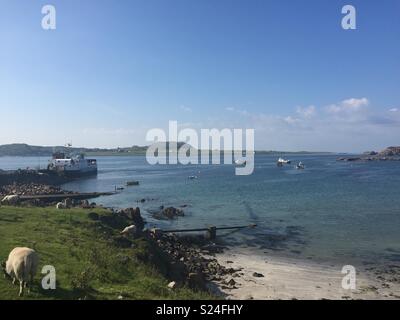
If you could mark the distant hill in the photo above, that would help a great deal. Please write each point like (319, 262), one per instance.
(390, 152)
(25, 150)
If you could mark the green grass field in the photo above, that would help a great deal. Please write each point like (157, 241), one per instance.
(88, 264)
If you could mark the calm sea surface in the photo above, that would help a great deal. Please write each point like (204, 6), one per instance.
(331, 211)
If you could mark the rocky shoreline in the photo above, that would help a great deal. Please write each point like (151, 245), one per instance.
(192, 259)
(389, 154)
(23, 189)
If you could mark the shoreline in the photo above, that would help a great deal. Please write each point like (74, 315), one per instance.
(282, 278)
(243, 273)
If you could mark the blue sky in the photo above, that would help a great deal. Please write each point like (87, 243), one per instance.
(114, 69)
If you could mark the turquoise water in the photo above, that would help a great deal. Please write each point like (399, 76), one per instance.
(331, 211)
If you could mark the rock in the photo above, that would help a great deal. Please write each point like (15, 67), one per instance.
(130, 231)
(155, 233)
(258, 275)
(231, 282)
(134, 215)
(196, 281)
(172, 212)
(122, 242)
(169, 213)
(68, 203)
(93, 216)
(172, 285)
(85, 204)
(390, 152)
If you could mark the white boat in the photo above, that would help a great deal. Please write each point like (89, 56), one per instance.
(300, 166)
(240, 162)
(72, 166)
(282, 161)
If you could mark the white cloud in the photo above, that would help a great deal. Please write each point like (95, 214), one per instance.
(239, 111)
(351, 125)
(394, 110)
(306, 112)
(348, 105)
(291, 120)
(185, 108)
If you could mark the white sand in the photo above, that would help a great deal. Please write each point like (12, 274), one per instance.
(286, 278)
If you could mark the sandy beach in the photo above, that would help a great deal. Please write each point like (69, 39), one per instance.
(264, 278)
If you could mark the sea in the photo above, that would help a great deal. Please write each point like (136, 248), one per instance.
(332, 211)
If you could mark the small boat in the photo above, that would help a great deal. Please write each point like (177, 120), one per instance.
(282, 161)
(132, 183)
(240, 162)
(119, 188)
(192, 177)
(300, 166)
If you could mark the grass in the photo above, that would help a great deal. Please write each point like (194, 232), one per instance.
(88, 263)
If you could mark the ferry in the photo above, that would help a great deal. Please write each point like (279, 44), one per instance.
(75, 166)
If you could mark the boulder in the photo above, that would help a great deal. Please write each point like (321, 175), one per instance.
(169, 213)
(122, 242)
(196, 280)
(93, 216)
(85, 204)
(134, 215)
(68, 203)
(258, 275)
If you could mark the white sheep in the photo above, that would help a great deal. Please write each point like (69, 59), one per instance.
(21, 265)
(60, 205)
(130, 230)
(11, 200)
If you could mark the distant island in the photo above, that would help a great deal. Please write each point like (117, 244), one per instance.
(26, 150)
(388, 154)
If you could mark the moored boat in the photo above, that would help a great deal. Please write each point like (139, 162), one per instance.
(300, 166)
(282, 161)
(72, 166)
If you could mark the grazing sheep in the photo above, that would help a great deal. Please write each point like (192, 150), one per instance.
(11, 200)
(129, 231)
(21, 265)
(60, 205)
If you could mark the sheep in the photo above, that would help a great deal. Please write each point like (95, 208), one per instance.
(21, 265)
(130, 230)
(60, 205)
(10, 199)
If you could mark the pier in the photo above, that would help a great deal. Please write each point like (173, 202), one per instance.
(211, 232)
(63, 196)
